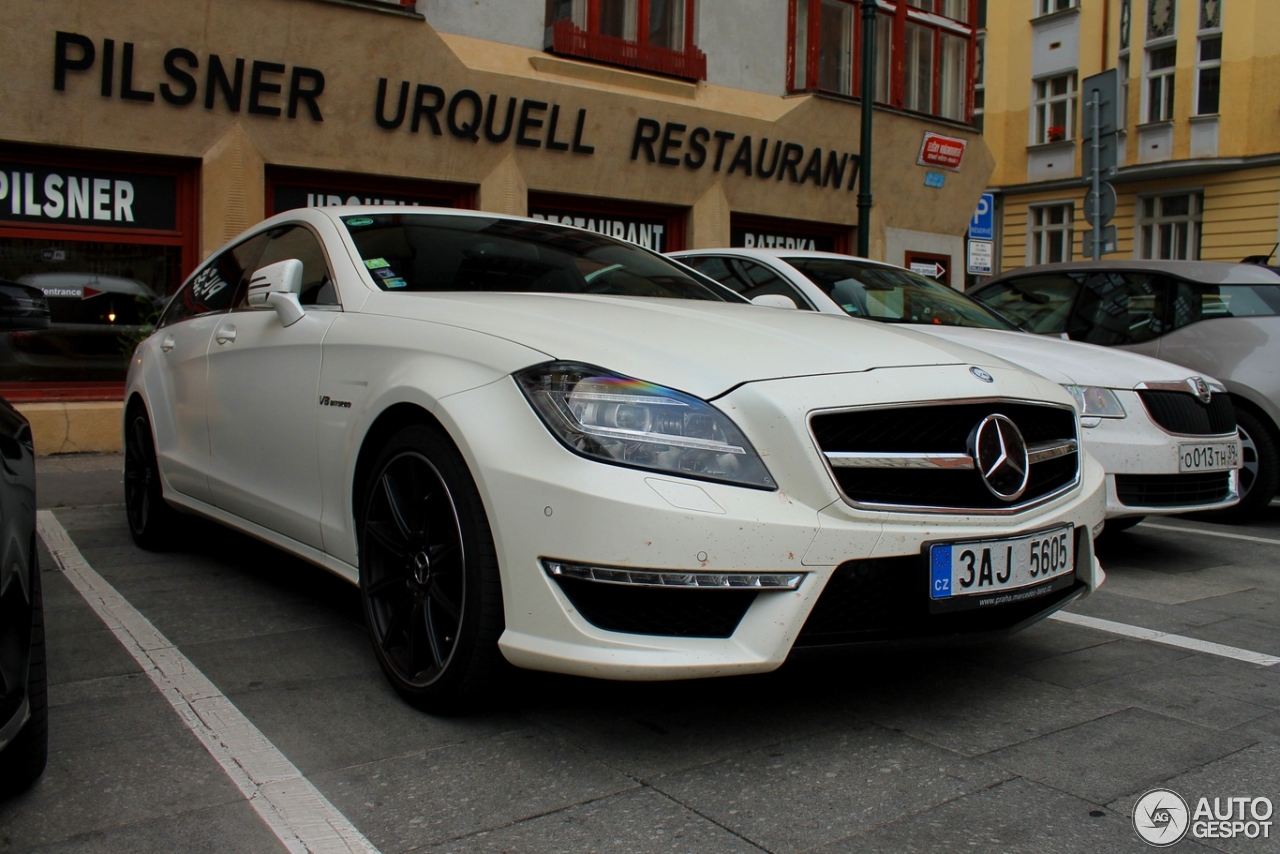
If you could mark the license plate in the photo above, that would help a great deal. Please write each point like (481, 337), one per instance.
(985, 567)
(1209, 456)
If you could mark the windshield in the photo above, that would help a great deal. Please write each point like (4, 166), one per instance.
(893, 295)
(438, 252)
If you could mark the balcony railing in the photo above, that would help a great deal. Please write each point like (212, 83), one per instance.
(570, 40)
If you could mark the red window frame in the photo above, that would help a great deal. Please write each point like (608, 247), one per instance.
(901, 13)
(591, 206)
(568, 38)
(185, 235)
(437, 193)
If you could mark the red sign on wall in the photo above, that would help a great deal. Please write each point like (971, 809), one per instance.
(943, 151)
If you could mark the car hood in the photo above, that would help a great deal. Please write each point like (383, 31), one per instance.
(704, 348)
(1067, 362)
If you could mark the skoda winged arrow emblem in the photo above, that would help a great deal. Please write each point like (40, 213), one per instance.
(1200, 389)
(1001, 457)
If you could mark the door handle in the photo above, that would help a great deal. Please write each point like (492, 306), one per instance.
(167, 344)
(225, 335)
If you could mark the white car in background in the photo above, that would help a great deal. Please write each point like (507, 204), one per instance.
(1166, 436)
(530, 442)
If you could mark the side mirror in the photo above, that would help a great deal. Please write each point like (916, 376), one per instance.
(278, 285)
(774, 301)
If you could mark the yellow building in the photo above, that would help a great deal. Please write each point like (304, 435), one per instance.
(1198, 152)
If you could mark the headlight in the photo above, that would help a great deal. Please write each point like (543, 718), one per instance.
(1096, 402)
(615, 419)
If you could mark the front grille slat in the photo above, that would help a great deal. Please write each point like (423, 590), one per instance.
(936, 431)
(1191, 489)
(1179, 412)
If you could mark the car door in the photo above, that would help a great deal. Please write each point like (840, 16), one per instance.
(263, 392)
(178, 411)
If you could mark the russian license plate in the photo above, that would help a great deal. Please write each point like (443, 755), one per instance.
(990, 569)
(1209, 456)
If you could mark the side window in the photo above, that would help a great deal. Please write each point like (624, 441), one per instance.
(1120, 308)
(1036, 303)
(214, 288)
(296, 241)
(1194, 301)
(746, 278)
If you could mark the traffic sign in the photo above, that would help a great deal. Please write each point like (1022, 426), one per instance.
(1107, 208)
(1107, 86)
(1109, 241)
(983, 224)
(980, 255)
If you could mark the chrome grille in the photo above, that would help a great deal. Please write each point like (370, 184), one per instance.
(921, 457)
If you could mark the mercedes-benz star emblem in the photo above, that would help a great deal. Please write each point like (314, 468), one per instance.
(982, 375)
(1200, 389)
(1000, 454)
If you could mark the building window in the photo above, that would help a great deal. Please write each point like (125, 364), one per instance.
(1054, 108)
(1169, 226)
(979, 85)
(1126, 22)
(1208, 75)
(935, 37)
(1122, 109)
(1161, 64)
(1162, 18)
(1051, 234)
(651, 35)
(1048, 7)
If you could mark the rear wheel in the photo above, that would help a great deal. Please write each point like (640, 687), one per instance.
(151, 520)
(23, 759)
(429, 574)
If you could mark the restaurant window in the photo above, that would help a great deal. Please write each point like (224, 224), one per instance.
(1051, 233)
(1054, 109)
(106, 239)
(934, 38)
(650, 35)
(1169, 226)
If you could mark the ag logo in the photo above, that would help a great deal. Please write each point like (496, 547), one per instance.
(1161, 817)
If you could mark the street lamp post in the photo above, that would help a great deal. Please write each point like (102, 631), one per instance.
(864, 151)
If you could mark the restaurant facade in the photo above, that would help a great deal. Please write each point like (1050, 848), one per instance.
(142, 136)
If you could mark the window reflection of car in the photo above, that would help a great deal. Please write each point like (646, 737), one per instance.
(22, 307)
(533, 444)
(1219, 318)
(93, 323)
(1132, 406)
(23, 703)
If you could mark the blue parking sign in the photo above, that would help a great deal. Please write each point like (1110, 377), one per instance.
(983, 224)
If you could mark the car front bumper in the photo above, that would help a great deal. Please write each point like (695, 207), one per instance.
(545, 502)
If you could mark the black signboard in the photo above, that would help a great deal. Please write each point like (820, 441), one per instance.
(56, 195)
(651, 232)
(286, 197)
(750, 237)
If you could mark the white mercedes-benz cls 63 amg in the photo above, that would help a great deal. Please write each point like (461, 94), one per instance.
(531, 444)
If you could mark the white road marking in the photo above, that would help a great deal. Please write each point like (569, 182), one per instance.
(291, 806)
(1182, 641)
(1224, 534)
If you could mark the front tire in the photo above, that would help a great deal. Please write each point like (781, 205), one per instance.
(152, 521)
(23, 759)
(429, 578)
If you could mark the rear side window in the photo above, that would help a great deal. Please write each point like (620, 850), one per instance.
(213, 289)
(1036, 303)
(1194, 301)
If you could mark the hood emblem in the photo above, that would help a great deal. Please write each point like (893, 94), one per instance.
(1200, 389)
(982, 375)
(1001, 457)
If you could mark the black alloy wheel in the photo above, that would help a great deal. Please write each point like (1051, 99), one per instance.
(428, 574)
(152, 521)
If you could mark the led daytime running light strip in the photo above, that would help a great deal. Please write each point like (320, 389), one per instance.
(676, 579)
(641, 435)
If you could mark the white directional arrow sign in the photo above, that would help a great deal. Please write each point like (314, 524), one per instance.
(931, 269)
